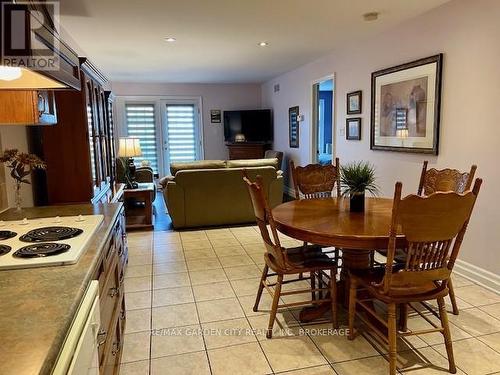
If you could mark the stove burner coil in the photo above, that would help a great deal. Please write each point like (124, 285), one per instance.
(50, 234)
(6, 234)
(4, 249)
(41, 250)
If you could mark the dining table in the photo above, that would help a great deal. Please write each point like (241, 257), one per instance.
(329, 222)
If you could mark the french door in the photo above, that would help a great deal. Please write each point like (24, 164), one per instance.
(181, 133)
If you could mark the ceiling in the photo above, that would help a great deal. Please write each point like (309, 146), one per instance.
(217, 40)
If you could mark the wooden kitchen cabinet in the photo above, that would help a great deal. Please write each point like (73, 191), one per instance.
(79, 150)
(110, 274)
(27, 107)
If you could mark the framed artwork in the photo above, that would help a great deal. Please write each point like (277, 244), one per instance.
(354, 102)
(405, 108)
(353, 129)
(215, 116)
(293, 126)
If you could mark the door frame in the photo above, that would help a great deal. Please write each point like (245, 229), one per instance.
(158, 101)
(314, 115)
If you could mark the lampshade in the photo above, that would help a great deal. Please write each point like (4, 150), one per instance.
(129, 147)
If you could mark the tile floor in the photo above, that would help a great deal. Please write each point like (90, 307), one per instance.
(189, 302)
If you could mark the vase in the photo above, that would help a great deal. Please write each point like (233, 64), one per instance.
(18, 198)
(357, 202)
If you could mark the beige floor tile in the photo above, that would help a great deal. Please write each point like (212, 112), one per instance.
(475, 322)
(284, 325)
(135, 368)
(167, 248)
(246, 287)
(182, 364)
(366, 366)
(170, 280)
(243, 272)
(169, 267)
(247, 303)
(138, 320)
(493, 310)
(139, 271)
(292, 353)
(250, 239)
(337, 348)
(207, 276)
(246, 359)
(219, 235)
(196, 245)
(203, 264)
(477, 296)
(172, 296)
(319, 370)
(140, 260)
(199, 254)
(137, 284)
(460, 281)
(493, 341)
(227, 332)
(158, 241)
(136, 347)
(473, 356)
(229, 251)
(174, 316)
(169, 342)
(236, 260)
(138, 300)
(423, 361)
(138, 246)
(220, 309)
(258, 258)
(168, 256)
(255, 248)
(198, 235)
(462, 305)
(418, 323)
(207, 292)
(224, 242)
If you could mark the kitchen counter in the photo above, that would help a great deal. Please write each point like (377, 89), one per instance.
(37, 305)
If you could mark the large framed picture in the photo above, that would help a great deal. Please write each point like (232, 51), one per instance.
(293, 124)
(405, 108)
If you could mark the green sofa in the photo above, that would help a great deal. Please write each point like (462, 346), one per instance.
(212, 192)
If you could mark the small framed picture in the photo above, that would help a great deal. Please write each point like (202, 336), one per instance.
(354, 103)
(353, 129)
(215, 116)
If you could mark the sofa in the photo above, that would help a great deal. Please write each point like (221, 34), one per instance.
(212, 192)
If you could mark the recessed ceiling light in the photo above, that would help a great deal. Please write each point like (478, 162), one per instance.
(371, 16)
(263, 44)
(170, 39)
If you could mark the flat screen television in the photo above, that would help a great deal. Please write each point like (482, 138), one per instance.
(255, 125)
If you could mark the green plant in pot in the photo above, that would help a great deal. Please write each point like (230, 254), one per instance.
(356, 179)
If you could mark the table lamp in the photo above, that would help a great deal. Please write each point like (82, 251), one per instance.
(129, 148)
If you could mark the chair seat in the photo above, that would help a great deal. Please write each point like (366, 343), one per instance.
(311, 257)
(371, 278)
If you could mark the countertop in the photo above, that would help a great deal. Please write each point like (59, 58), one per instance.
(37, 305)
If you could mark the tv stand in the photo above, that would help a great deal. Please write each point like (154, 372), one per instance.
(246, 150)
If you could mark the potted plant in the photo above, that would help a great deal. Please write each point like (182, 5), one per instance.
(357, 178)
(21, 165)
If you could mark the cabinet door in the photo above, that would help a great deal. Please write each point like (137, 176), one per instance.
(93, 147)
(111, 136)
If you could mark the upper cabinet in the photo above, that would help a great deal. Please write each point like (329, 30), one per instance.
(27, 107)
(33, 55)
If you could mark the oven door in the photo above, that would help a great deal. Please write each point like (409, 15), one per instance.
(79, 355)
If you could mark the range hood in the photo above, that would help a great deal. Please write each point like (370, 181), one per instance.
(17, 78)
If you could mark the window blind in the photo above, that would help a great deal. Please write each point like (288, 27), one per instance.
(140, 119)
(181, 133)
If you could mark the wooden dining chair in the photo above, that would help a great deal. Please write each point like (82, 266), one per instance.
(316, 181)
(434, 180)
(434, 227)
(288, 261)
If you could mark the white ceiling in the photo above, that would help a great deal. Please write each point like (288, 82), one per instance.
(217, 39)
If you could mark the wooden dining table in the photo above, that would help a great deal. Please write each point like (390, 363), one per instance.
(330, 223)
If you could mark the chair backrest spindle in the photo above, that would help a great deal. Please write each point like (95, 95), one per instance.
(315, 180)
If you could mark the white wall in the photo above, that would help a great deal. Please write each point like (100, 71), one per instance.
(467, 32)
(214, 96)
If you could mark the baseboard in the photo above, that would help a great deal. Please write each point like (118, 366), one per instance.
(485, 278)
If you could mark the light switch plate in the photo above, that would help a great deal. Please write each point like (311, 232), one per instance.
(342, 131)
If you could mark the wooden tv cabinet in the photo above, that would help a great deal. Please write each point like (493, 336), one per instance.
(246, 150)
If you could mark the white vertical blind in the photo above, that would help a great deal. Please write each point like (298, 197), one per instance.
(140, 120)
(181, 133)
